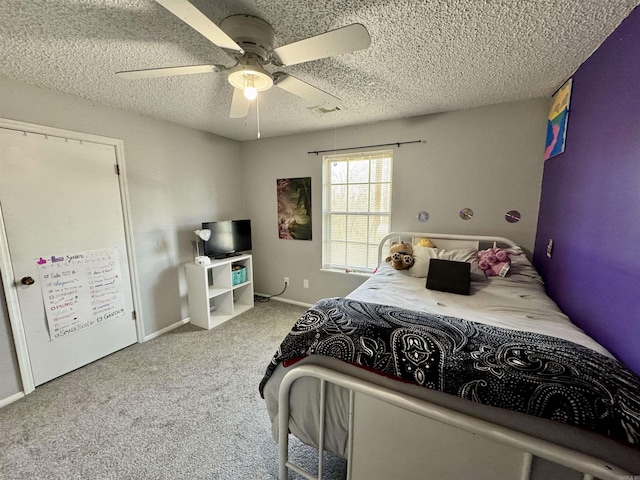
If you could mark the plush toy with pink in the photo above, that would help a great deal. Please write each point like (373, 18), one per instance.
(494, 262)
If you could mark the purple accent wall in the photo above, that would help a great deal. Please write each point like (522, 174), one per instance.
(590, 203)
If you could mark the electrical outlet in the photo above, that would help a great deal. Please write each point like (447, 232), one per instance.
(286, 281)
(550, 248)
(305, 283)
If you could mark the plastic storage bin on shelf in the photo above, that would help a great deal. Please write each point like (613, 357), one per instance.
(238, 274)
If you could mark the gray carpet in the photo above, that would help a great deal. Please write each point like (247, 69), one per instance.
(182, 406)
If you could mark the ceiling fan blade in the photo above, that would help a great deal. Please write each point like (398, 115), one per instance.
(169, 71)
(239, 105)
(193, 17)
(313, 95)
(343, 40)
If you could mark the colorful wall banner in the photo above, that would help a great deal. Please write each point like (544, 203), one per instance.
(557, 121)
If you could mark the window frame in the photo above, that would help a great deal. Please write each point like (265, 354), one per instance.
(372, 239)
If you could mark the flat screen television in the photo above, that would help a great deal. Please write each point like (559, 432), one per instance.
(228, 238)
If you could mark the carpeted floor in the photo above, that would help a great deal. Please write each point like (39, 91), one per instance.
(182, 406)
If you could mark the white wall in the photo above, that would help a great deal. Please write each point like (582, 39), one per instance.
(178, 177)
(488, 159)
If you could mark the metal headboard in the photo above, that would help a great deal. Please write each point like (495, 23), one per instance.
(443, 240)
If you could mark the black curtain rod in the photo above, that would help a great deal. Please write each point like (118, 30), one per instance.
(367, 146)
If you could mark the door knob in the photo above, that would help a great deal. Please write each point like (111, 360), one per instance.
(27, 281)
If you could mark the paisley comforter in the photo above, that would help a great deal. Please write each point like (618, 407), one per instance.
(517, 370)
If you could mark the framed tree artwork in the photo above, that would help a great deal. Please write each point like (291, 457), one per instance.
(294, 208)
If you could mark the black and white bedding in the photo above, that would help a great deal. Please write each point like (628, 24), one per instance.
(521, 371)
(505, 354)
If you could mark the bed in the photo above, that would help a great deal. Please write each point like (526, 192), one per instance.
(406, 382)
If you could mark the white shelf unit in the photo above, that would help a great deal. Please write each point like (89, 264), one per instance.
(213, 299)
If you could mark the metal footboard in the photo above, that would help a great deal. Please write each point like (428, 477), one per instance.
(530, 446)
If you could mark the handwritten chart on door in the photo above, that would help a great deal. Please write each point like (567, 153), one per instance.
(81, 290)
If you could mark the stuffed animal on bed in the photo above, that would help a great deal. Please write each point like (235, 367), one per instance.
(494, 262)
(425, 242)
(401, 255)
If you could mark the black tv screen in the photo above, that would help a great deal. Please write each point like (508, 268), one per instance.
(228, 237)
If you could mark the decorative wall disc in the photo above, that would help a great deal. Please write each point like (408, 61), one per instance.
(466, 214)
(423, 216)
(512, 216)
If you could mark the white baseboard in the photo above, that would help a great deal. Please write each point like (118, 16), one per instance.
(6, 401)
(292, 302)
(166, 329)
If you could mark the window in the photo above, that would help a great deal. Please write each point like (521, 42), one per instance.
(356, 209)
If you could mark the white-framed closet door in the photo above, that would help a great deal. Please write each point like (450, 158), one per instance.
(60, 194)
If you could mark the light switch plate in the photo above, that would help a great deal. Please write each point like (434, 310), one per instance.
(549, 247)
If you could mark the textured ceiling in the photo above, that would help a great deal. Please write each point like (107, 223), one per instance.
(425, 56)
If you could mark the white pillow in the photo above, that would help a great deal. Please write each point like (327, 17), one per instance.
(520, 264)
(422, 256)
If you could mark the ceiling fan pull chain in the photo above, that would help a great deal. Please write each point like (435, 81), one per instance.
(258, 114)
(246, 100)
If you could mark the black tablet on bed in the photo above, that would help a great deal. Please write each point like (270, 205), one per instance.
(449, 276)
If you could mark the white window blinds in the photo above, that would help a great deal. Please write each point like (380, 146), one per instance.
(356, 208)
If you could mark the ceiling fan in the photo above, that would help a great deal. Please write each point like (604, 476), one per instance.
(250, 40)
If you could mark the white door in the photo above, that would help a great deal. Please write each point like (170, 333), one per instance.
(61, 197)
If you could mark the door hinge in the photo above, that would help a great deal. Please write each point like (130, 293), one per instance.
(133, 315)
(117, 168)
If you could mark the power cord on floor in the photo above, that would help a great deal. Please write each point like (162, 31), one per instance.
(266, 298)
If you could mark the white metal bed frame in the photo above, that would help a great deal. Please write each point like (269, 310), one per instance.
(443, 241)
(527, 446)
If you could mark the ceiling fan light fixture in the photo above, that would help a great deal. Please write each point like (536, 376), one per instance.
(251, 79)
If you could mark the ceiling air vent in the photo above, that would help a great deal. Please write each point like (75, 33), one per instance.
(320, 109)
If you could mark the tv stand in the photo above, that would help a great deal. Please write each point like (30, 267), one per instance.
(212, 296)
